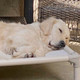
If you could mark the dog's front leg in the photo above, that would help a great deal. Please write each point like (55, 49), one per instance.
(41, 52)
(24, 52)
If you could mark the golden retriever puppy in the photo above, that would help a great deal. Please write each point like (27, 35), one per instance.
(34, 39)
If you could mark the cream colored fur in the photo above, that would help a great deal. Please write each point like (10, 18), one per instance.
(19, 40)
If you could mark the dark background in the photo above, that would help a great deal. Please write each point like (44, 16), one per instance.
(28, 10)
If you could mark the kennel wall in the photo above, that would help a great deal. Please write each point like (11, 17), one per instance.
(67, 10)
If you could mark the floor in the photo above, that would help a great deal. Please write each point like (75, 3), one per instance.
(51, 71)
(56, 71)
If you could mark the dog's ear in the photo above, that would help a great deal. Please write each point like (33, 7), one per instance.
(47, 25)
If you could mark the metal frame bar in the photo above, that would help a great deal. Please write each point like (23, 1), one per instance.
(74, 58)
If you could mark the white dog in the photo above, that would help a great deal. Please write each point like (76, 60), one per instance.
(34, 39)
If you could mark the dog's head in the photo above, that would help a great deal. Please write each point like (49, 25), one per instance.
(56, 31)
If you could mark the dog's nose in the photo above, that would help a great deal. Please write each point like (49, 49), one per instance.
(62, 43)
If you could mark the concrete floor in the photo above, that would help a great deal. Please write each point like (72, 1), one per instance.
(51, 71)
(56, 71)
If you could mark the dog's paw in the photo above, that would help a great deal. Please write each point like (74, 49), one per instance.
(24, 55)
(21, 53)
(29, 55)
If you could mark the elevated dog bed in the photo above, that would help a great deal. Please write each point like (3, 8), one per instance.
(64, 55)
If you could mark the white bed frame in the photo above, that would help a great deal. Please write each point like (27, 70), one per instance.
(55, 56)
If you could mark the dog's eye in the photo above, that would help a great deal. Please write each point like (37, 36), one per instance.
(60, 30)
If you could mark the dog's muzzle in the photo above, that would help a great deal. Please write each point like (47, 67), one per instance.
(61, 44)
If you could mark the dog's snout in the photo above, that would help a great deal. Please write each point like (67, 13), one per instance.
(62, 43)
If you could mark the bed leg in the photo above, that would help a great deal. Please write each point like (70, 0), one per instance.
(76, 65)
(74, 58)
(76, 70)
(77, 73)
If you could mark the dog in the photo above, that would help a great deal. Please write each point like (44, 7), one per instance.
(33, 40)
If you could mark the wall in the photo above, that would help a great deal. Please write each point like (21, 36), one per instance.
(11, 8)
